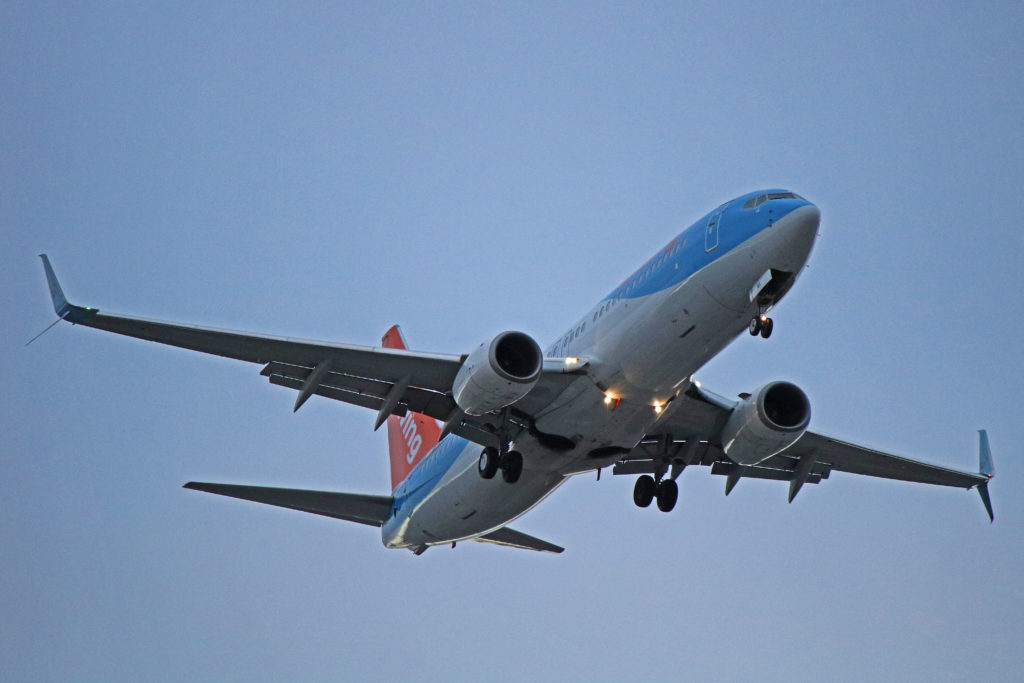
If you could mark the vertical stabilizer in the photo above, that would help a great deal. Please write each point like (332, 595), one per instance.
(410, 437)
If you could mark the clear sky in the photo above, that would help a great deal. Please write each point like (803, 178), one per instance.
(324, 170)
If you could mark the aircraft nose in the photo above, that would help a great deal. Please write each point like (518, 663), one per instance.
(800, 229)
(810, 216)
(802, 222)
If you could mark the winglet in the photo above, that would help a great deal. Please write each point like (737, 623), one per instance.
(61, 307)
(985, 500)
(986, 468)
(60, 304)
(985, 465)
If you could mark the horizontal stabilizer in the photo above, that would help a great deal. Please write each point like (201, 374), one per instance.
(517, 539)
(352, 507)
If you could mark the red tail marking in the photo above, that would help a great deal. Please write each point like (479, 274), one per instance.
(411, 437)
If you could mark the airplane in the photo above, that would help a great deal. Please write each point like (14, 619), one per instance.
(617, 390)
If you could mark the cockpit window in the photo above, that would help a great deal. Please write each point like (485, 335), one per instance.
(761, 199)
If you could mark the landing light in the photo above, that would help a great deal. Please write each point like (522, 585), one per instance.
(572, 360)
(657, 407)
(608, 398)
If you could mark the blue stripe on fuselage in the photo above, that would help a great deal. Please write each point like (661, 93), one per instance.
(428, 472)
(687, 250)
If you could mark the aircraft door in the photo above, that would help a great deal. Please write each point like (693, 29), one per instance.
(711, 231)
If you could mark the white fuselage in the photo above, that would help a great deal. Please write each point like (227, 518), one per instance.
(642, 343)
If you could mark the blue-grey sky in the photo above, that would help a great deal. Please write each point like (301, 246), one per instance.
(324, 170)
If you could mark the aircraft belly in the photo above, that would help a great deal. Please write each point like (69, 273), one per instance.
(464, 505)
(680, 331)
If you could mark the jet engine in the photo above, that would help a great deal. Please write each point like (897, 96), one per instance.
(498, 373)
(765, 423)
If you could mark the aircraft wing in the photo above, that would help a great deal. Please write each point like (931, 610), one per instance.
(691, 436)
(361, 375)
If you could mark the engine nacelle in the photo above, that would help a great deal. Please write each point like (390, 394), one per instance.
(769, 421)
(498, 373)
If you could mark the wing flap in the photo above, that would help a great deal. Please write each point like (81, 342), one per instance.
(351, 507)
(517, 539)
(363, 391)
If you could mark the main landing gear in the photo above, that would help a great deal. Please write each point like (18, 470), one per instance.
(762, 325)
(510, 463)
(646, 490)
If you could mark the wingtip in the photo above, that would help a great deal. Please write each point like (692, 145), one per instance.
(986, 500)
(985, 464)
(60, 303)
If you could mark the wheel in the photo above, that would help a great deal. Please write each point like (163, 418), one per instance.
(512, 466)
(643, 491)
(767, 327)
(755, 326)
(668, 494)
(487, 465)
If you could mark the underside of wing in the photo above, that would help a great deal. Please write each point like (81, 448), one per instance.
(846, 457)
(387, 380)
(692, 436)
(351, 507)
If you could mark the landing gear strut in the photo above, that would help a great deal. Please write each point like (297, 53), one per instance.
(762, 325)
(644, 490)
(665, 491)
(510, 464)
(501, 458)
(488, 463)
(667, 494)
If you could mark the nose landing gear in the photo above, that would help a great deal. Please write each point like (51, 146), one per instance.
(762, 325)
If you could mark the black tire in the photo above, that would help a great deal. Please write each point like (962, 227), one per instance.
(643, 491)
(512, 467)
(755, 326)
(767, 327)
(668, 494)
(487, 465)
